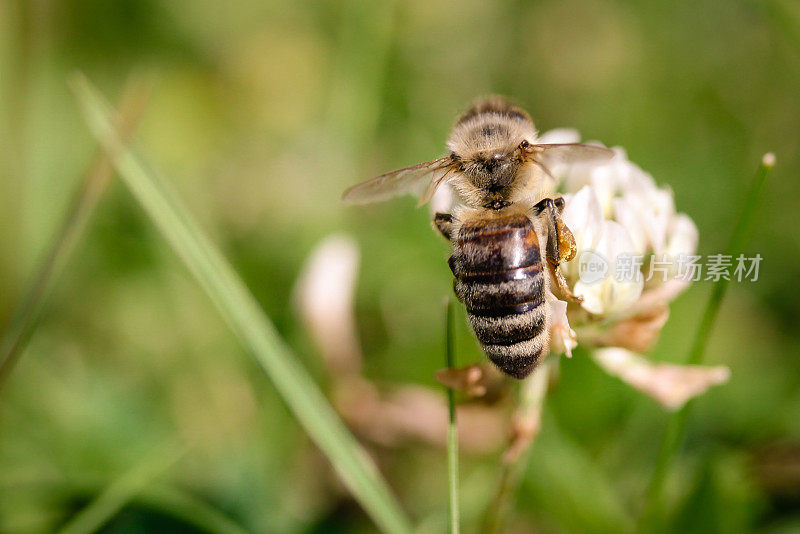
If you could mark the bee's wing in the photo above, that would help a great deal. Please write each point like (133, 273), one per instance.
(573, 153)
(421, 179)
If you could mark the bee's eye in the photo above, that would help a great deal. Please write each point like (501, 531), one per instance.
(524, 144)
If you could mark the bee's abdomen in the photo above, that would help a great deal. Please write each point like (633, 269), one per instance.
(499, 278)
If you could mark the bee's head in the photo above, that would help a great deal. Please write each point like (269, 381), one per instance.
(491, 145)
(494, 171)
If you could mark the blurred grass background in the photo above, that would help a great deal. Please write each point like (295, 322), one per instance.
(263, 113)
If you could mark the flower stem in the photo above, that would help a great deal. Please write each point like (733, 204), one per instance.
(172, 501)
(452, 427)
(124, 489)
(509, 483)
(525, 427)
(676, 425)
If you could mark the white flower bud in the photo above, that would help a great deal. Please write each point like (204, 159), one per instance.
(682, 237)
(562, 338)
(443, 200)
(654, 208)
(560, 135)
(670, 385)
(627, 216)
(604, 178)
(613, 294)
(584, 217)
(324, 298)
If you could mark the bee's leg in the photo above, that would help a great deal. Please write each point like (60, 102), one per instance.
(444, 223)
(560, 242)
(555, 272)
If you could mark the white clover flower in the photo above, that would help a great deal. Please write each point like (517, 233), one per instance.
(619, 191)
(628, 237)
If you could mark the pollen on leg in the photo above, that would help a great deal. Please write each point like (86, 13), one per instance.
(566, 242)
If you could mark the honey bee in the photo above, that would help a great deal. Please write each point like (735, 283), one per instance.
(507, 235)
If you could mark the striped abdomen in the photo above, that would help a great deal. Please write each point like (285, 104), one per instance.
(498, 276)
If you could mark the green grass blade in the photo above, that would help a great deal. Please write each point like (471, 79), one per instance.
(676, 425)
(452, 426)
(164, 498)
(248, 321)
(26, 315)
(122, 491)
(188, 508)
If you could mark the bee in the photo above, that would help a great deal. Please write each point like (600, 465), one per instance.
(506, 231)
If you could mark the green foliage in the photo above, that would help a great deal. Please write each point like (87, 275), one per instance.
(246, 319)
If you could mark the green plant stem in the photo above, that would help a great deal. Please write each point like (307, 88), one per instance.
(452, 426)
(111, 500)
(170, 500)
(676, 425)
(96, 181)
(510, 478)
(188, 508)
(248, 321)
(525, 427)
